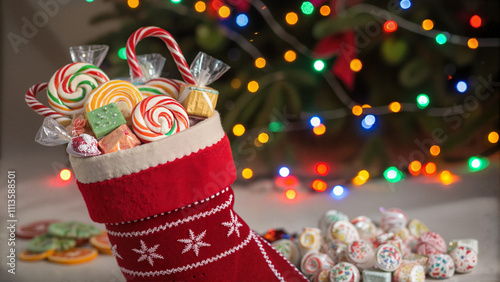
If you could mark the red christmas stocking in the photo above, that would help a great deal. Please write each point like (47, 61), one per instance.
(168, 210)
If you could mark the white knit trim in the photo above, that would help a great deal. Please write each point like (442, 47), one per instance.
(164, 213)
(281, 255)
(113, 165)
(189, 266)
(178, 222)
(266, 257)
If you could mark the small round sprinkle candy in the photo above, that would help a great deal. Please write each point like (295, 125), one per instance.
(417, 227)
(330, 217)
(464, 258)
(365, 226)
(388, 257)
(409, 272)
(314, 261)
(344, 272)
(431, 243)
(440, 266)
(288, 249)
(361, 254)
(343, 231)
(392, 218)
(310, 239)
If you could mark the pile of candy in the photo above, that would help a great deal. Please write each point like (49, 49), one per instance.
(63, 242)
(398, 250)
(96, 115)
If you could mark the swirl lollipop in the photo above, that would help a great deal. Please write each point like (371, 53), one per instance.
(170, 87)
(157, 117)
(113, 91)
(70, 86)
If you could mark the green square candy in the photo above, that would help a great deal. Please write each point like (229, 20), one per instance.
(105, 119)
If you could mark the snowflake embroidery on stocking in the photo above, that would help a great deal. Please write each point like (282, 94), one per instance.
(194, 242)
(148, 253)
(114, 252)
(233, 225)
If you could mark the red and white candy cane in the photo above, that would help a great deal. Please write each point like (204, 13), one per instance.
(173, 47)
(40, 108)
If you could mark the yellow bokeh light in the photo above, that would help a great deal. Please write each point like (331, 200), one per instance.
(493, 137)
(291, 18)
(430, 168)
(238, 130)
(290, 194)
(236, 83)
(65, 174)
(356, 65)
(357, 110)
(260, 62)
(290, 56)
(263, 138)
(366, 106)
(358, 181)
(325, 10)
(363, 175)
(253, 86)
(427, 24)
(224, 12)
(319, 130)
(446, 177)
(472, 43)
(247, 173)
(395, 107)
(133, 3)
(435, 150)
(415, 167)
(319, 185)
(200, 6)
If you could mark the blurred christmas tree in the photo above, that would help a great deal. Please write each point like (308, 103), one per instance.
(336, 82)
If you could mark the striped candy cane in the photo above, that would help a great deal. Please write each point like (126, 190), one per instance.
(40, 108)
(172, 45)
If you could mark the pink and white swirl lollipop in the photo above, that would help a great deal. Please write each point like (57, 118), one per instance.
(40, 108)
(168, 86)
(173, 47)
(70, 86)
(157, 117)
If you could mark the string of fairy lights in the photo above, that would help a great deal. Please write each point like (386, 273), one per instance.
(285, 177)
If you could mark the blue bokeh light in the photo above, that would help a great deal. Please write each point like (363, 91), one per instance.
(242, 20)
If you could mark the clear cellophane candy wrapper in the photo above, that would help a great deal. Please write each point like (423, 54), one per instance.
(199, 99)
(51, 133)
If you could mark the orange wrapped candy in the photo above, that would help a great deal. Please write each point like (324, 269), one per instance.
(119, 139)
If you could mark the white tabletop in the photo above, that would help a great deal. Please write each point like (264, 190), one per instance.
(465, 209)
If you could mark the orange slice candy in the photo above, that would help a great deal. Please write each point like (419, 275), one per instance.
(101, 242)
(32, 256)
(74, 256)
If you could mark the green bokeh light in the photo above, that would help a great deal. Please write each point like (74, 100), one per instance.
(441, 39)
(307, 8)
(393, 175)
(422, 101)
(319, 65)
(276, 126)
(122, 53)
